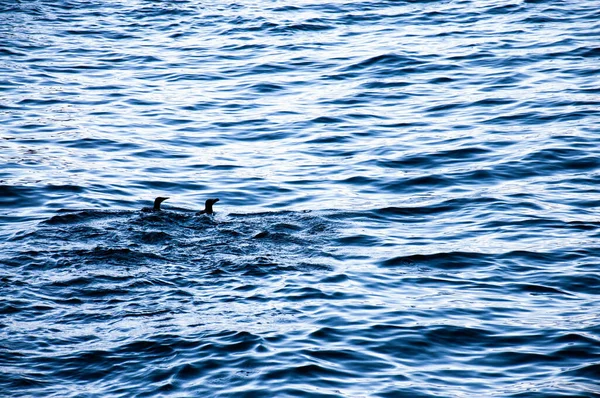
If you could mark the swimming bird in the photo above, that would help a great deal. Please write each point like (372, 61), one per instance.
(208, 206)
(157, 203)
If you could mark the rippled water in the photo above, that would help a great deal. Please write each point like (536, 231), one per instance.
(408, 198)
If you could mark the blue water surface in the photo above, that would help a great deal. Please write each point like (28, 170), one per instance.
(408, 198)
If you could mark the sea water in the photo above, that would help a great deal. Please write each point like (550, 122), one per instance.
(409, 201)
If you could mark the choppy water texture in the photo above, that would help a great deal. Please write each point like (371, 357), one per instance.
(409, 198)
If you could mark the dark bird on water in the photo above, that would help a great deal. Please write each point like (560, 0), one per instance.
(208, 206)
(157, 203)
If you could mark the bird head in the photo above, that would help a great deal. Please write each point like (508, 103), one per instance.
(209, 204)
(158, 201)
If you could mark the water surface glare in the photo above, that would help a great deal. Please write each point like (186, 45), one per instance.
(408, 198)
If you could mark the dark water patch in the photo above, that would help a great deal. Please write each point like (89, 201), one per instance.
(449, 261)
(140, 102)
(359, 240)
(77, 32)
(115, 256)
(539, 290)
(159, 154)
(534, 222)
(247, 123)
(19, 196)
(315, 26)
(543, 258)
(448, 206)
(329, 139)
(78, 216)
(563, 158)
(267, 88)
(585, 372)
(385, 85)
(104, 144)
(394, 60)
(151, 239)
(11, 52)
(141, 59)
(417, 184)
(155, 237)
(268, 68)
(312, 372)
(504, 9)
(177, 77)
(432, 160)
(29, 101)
